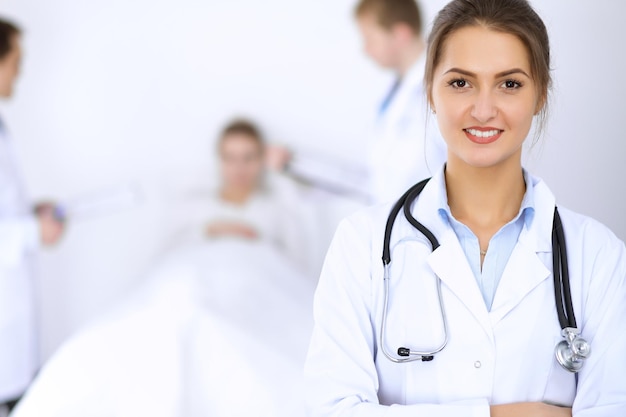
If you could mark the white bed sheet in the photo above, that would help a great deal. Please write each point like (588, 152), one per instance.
(218, 329)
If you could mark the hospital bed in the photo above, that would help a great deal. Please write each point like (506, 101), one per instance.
(216, 329)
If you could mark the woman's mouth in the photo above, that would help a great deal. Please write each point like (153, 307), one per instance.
(483, 136)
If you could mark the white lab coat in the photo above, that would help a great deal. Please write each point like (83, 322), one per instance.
(19, 239)
(407, 146)
(493, 357)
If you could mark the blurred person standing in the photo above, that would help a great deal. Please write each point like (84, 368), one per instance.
(23, 229)
(407, 146)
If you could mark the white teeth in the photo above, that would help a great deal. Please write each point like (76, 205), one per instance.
(482, 134)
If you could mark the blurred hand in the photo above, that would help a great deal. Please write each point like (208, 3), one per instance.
(51, 228)
(530, 410)
(277, 157)
(220, 229)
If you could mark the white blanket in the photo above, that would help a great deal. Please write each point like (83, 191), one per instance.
(219, 329)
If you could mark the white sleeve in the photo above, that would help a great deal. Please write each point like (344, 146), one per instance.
(340, 372)
(293, 219)
(18, 234)
(601, 390)
(332, 173)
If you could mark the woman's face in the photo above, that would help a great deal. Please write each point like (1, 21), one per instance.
(484, 96)
(241, 161)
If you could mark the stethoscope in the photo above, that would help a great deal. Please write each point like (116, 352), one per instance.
(570, 353)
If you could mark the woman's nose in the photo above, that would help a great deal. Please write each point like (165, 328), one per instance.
(484, 108)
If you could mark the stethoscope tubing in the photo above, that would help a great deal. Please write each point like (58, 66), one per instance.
(562, 289)
(563, 294)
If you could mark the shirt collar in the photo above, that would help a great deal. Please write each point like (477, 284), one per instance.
(526, 211)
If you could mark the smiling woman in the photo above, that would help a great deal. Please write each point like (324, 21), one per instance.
(484, 99)
(492, 263)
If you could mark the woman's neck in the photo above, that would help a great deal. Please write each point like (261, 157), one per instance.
(485, 199)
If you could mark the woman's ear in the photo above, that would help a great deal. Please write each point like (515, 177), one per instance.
(431, 105)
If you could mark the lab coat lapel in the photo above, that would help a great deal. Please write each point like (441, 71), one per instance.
(450, 264)
(448, 261)
(525, 270)
(523, 273)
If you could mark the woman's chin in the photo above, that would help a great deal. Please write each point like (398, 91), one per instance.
(485, 159)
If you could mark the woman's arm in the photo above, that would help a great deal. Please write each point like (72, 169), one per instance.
(529, 410)
(228, 228)
(601, 387)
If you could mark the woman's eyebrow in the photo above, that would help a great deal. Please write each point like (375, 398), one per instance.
(498, 75)
(511, 72)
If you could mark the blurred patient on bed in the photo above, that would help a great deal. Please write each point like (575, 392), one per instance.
(250, 202)
(223, 315)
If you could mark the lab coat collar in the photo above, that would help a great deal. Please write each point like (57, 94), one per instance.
(451, 266)
(410, 88)
(536, 234)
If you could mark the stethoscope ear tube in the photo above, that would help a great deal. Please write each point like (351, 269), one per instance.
(411, 219)
(417, 188)
(562, 290)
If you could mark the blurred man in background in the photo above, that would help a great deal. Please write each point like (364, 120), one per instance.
(23, 229)
(407, 146)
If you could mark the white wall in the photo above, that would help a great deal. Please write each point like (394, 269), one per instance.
(135, 90)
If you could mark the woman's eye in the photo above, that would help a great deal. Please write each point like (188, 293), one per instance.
(511, 84)
(459, 83)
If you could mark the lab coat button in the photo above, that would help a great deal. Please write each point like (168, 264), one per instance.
(477, 364)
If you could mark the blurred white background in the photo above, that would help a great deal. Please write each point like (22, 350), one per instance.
(134, 92)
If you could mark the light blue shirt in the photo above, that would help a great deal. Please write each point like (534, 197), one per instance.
(501, 244)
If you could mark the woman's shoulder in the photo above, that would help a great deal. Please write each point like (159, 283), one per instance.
(577, 227)
(366, 224)
(590, 240)
(587, 227)
(369, 215)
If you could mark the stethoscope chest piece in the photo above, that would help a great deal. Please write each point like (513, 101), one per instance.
(572, 352)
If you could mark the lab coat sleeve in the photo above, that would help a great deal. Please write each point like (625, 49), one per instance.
(18, 235)
(601, 390)
(295, 220)
(340, 371)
